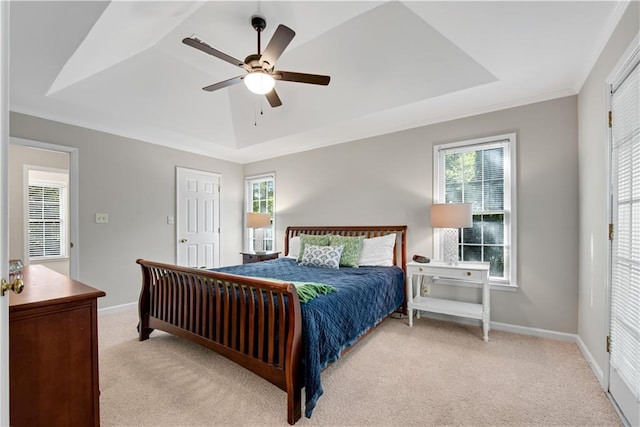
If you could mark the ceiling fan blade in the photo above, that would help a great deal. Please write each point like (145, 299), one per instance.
(222, 84)
(278, 43)
(204, 47)
(273, 98)
(314, 79)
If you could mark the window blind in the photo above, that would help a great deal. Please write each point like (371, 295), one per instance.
(45, 221)
(625, 265)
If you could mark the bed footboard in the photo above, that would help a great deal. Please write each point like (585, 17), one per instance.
(253, 322)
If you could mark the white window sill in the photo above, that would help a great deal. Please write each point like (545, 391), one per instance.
(48, 259)
(504, 287)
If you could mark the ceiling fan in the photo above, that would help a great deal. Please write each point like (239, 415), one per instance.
(261, 74)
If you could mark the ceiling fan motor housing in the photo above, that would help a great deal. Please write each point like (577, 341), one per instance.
(253, 61)
(258, 23)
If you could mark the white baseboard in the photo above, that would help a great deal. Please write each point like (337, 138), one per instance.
(592, 362)
(523, 330)
(535, 332)
(118, 307)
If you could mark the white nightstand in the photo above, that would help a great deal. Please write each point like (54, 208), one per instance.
(464, 273)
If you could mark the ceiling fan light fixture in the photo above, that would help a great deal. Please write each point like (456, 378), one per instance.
(259, 82)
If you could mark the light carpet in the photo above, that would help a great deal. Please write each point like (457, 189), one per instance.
(436, 373)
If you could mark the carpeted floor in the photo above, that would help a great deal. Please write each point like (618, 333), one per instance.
(436, 373)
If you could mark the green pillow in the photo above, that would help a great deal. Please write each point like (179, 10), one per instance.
(352, 249)
(312, 239)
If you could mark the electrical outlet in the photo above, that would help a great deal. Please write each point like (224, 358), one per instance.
(102, 218)
(170, 220)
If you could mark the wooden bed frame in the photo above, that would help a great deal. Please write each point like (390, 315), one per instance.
(255, 323)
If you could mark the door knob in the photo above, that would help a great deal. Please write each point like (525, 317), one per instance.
(16, 286)
(183, 241)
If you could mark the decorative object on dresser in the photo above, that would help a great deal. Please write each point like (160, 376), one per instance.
(258, 221)
(275, 317)
(249, 257)
(53, 351)
(451, 217)
(469, 274)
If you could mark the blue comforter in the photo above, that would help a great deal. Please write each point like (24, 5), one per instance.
(332, 322)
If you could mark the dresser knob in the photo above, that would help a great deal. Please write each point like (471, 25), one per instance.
(419, 268)
(468, 273)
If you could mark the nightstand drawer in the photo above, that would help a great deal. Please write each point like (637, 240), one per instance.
(449, 273)
(248, 257)
(463, 274)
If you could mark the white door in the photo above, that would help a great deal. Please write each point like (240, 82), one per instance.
(624, 357)
(4, 210)
(198, 218)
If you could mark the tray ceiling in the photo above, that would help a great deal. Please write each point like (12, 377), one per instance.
(120, 67)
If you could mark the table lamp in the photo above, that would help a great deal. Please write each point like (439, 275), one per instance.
(451, 217)
(258, 221)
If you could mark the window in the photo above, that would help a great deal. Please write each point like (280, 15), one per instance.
(260, 197)
(481, 172)
(46, 207)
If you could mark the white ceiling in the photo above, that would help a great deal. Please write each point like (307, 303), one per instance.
(120, 66)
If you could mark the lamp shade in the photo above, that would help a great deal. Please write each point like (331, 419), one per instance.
(451, 215)
(259, 82)
(258, 220)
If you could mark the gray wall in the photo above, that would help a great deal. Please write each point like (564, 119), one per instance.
(594, 244)
(134, 182)
(388, 180)
(381, 180)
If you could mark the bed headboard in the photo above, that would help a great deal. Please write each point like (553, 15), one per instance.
(399, 257)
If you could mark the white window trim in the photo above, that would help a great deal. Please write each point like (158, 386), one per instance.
(511, 258)
(64, 244)
(248, 239)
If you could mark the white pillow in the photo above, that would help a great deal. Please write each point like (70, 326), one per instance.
(294, 247)
(321, 256)
(378, 251)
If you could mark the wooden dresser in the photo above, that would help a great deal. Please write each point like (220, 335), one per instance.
(53, 351)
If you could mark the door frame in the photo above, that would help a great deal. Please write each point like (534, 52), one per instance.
(4, 210)
(179, 171)
(74, 205)
(621, 67)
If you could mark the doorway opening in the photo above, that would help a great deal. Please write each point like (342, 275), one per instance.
(43, 200)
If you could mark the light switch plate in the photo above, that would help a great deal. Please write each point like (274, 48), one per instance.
(102, 218)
